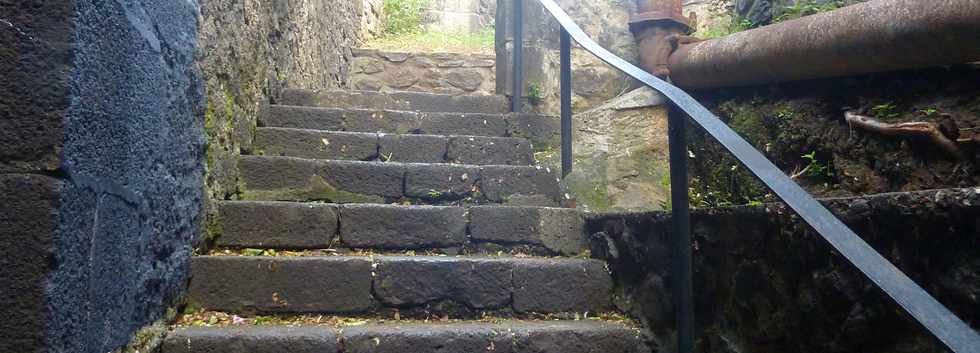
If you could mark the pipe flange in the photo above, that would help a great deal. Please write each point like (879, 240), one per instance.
(660, 17)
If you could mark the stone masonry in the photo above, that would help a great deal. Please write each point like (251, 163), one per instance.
(447, 73)
(418, 216)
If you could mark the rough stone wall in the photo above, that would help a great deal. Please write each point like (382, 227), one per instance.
(101, 174)
(764, 282)
(787, 121)
(371, 13)
(593, 82)
(249, 51)
(447, 73)
(465, 16)
(620, 154)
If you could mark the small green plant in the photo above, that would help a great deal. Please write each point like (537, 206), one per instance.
(403, 16)
(815, 167)
(754, 203)
(737, 25)
(929, 112)
(806, 8)
(534, 93)
(258, 252)
(886, 110)
(784, 114)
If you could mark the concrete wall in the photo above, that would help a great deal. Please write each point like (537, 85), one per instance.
(764, 282)
(101, 170)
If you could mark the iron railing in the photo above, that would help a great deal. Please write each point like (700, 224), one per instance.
(937, 319)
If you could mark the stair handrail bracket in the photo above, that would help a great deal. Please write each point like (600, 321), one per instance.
(949, 329)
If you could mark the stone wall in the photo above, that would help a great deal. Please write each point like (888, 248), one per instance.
(620, 154)
(101, 171)
(593, 82)
(764, 282)
(249, 51)
(446, 73)
(786, 121)
(465, 16)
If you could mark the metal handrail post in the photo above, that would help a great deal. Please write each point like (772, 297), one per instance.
(566, 102)
(518, 46)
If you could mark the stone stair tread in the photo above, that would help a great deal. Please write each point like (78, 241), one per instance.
(362, 284)
(268, 178)
(295, 225)
(513, 336)
(409, 148)
(540, 129)
(400, 100)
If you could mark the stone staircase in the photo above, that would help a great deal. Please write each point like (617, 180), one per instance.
(399, 222)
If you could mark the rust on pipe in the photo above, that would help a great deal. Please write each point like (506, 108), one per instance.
(653, 22)
(875, 36)
(660, 11)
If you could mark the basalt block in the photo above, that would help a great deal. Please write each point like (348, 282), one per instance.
(478, 283)
(281, 285)
(279, 225)
(402, 227)
(316, 144)
(559, 230)
(561, 285)
(485, 150)
(254, 339)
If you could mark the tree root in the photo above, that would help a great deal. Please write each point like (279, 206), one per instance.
(922, 129)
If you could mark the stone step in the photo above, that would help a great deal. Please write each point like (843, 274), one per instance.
(511, 336)
(362, 146)
(364, 284)
(295, 179)
(542, 130)
(293, 225)
(397, 100)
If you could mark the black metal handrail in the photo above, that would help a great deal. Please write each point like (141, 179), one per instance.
(937, 319)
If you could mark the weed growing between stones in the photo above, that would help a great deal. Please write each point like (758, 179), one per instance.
(193, 317)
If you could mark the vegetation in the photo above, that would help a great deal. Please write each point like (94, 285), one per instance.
(815, 168)
(806, 8)
(404, 31)
(737, 25)
(403, 16)
(430, 41)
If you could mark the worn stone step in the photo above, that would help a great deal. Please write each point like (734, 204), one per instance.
(397, 100)
(360, 146)
(267, 178)
(511, 336)
(541, 130)
(350, 284)
(293, 225)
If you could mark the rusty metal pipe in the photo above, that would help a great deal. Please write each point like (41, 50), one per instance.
(875, 36)
(653, 22)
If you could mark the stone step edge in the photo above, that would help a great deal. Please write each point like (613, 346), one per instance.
(406, 112)
(392, 147)
(543, 230)
(406, 100)
(528, 185)
(370, 134)
(551, 336)
(543, 130)
(365, 284)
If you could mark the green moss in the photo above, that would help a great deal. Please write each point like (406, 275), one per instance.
(210, 123)
(318, 189)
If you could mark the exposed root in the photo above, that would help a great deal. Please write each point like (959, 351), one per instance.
(923, 129)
